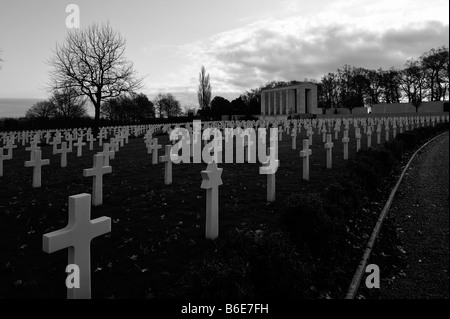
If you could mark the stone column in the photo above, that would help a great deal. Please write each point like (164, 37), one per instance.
(263, 103)
(270, 103)
(287, 101)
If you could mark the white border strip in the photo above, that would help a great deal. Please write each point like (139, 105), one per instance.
(356, 281)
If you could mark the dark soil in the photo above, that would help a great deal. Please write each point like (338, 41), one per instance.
(157, 230)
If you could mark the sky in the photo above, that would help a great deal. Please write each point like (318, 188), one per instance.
(242, 43)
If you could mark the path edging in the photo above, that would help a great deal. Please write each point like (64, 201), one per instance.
(360, 271)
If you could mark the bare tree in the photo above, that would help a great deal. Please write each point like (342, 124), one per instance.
(435, 67)
(204, 91)
(69, 104)
(1, 60)
(92, 61)
(42, 110)
(167, 105)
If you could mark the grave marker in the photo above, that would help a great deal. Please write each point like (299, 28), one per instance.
(108, 153)
(79, 144)
(294, 139)
(211, 182)
(345, 141)
(33, 147)
(3, 157)
(63, 151)
(167, 165)
(329, 147)
(154, 147)
(305, 154)
(37, 162)
(97, 184)
(91, 141)
(358, 138)
(77, 236)
(379, 134)
(271, 182)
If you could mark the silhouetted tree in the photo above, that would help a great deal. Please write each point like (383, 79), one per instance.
(204, 91)
(435, 64)
(189, 111)
(92, 61)
(167, 105)
(252, 100)
(239, 107)
(42, 110)
(68, 104)
(220, 106)
(132, 108)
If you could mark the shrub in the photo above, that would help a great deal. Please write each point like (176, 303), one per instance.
(396, 147)
(250, 264)
(344, 196)
(311, 228)
(365, 169)
(409, 138)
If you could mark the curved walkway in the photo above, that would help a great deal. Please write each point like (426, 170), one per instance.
(421, 211)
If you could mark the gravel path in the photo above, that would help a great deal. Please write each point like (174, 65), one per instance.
(421, 212)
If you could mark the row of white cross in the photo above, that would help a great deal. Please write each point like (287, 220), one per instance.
(80, 230)
(137, 130)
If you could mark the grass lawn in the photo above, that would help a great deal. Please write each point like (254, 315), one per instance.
(157, 230)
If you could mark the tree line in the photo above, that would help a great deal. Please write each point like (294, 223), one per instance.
(423, 79)
(90, 66)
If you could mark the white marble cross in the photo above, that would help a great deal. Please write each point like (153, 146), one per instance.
(79, 144)
(167, 165)
(97, 184)
(91, 141)
(100, 136)
(77, 236)
(211, 180)
(114, 144)
(108, 153)
(154, 147)
(369, 137)
(3, 157)
(271, 182)
(33, 147)
(63, 151)
(37, 162)
(10, 146)
(305, 154)
(379, 134)
(70, 139)
(55, 142)
(280, 133)
(329, 147)
(324, 134)
(337, 129)
(294, 139)
(387, 132)
(47, 137)
(345, 141)
(310, 134)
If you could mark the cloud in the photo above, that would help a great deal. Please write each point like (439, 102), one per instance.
(248, 58)
(380, 33)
